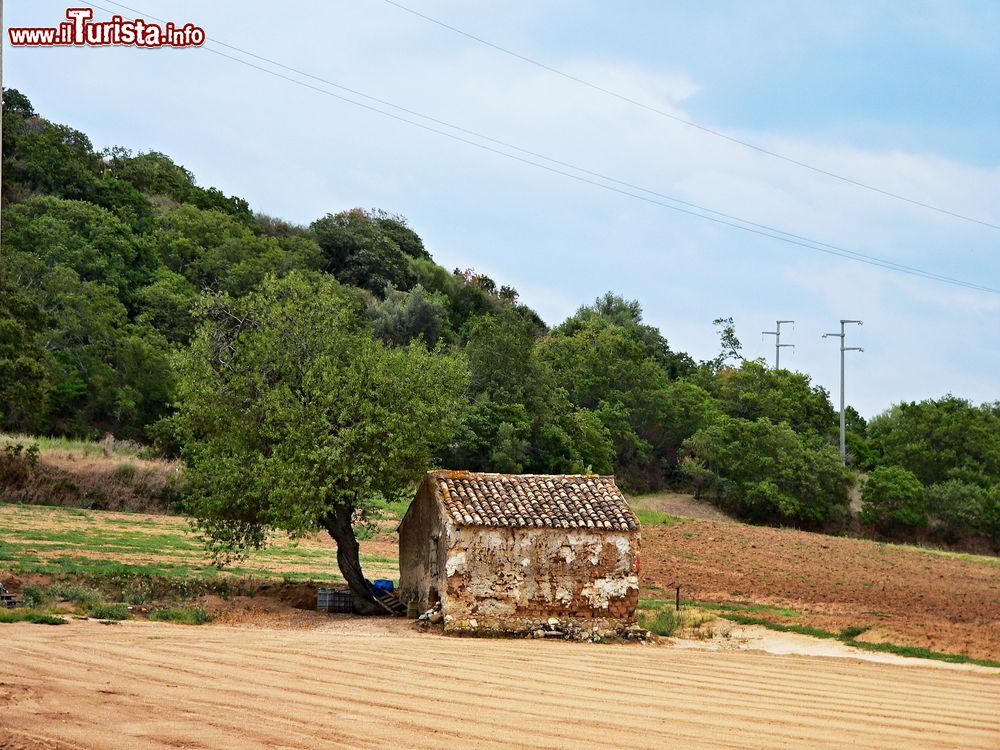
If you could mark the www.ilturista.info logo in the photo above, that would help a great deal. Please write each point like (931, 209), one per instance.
(82, 31)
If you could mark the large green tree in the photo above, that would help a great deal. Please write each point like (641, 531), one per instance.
(609, 362)
(767, 473)
(293, 417)
(362, 251)
(23, 377)
(893, 497)
(938, 440)
(103, 372)
(214, 250)
(82, 236)
(753, 391)
(521, 419)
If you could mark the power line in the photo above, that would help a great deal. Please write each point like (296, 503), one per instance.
(726, 220)
(837, 250)
(691, 123)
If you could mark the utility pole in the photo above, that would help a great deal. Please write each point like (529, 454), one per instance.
(843, 340)
(3, 33)
(777, 341)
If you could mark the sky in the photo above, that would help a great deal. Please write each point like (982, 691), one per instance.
(902, 96)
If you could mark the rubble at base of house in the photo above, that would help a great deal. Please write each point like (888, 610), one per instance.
(558, 628)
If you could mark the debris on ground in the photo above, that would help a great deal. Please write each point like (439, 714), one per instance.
(6, 599)
(576, 630)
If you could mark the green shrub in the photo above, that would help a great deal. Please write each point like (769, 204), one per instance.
(364, 532)
(767, 473)
(184, 615)
(957, 505)
(892, 497)
(125, 473)
(664, 622)
(34, 595)
(117, 611)
(81, 595)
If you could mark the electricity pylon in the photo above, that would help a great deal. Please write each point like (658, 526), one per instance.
(843, 340)
(777, 341)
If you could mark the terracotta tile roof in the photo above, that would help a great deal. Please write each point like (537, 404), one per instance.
(567, 501)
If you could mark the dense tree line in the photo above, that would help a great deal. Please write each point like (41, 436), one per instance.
(121, 279)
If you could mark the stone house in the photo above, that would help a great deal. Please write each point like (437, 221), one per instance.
(506, 553)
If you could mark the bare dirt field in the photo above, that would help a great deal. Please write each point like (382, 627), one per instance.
(945, 602)
(375, 684)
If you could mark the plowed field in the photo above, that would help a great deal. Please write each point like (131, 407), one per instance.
(905, 595)
(85, 685)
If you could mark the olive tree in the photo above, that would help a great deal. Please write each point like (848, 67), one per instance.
(292, 417)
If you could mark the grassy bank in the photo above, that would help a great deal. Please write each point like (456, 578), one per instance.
(659, 616)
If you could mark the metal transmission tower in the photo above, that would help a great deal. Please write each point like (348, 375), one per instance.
(777, 341)
(843, 340)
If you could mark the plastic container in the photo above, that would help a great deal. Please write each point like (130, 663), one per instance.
(384, 584)
(334, 600)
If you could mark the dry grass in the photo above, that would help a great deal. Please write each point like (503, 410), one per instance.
(107, 475)
(76, 542)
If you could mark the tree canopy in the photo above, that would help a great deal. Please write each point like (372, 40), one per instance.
(293, 417)
(768, 473)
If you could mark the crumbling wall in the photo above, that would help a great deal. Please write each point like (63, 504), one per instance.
(514, 579)
(422, 550)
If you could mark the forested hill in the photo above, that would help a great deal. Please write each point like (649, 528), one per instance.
(108, 257)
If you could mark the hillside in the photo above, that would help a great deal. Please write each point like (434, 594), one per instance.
(120, 273)
(107, 475)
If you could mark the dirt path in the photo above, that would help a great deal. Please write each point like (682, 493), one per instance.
(85, 685)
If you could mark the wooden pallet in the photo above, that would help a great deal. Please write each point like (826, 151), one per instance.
(390, 602)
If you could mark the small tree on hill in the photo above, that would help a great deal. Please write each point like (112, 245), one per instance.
(293, 417)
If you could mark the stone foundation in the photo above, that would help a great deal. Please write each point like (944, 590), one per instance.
(566, 628)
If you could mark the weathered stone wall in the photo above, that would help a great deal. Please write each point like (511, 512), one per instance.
(423, 547)
(514, 579)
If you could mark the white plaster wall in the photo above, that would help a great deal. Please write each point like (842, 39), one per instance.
(502, 572)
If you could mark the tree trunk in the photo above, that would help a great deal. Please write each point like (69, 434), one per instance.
(338, 525)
